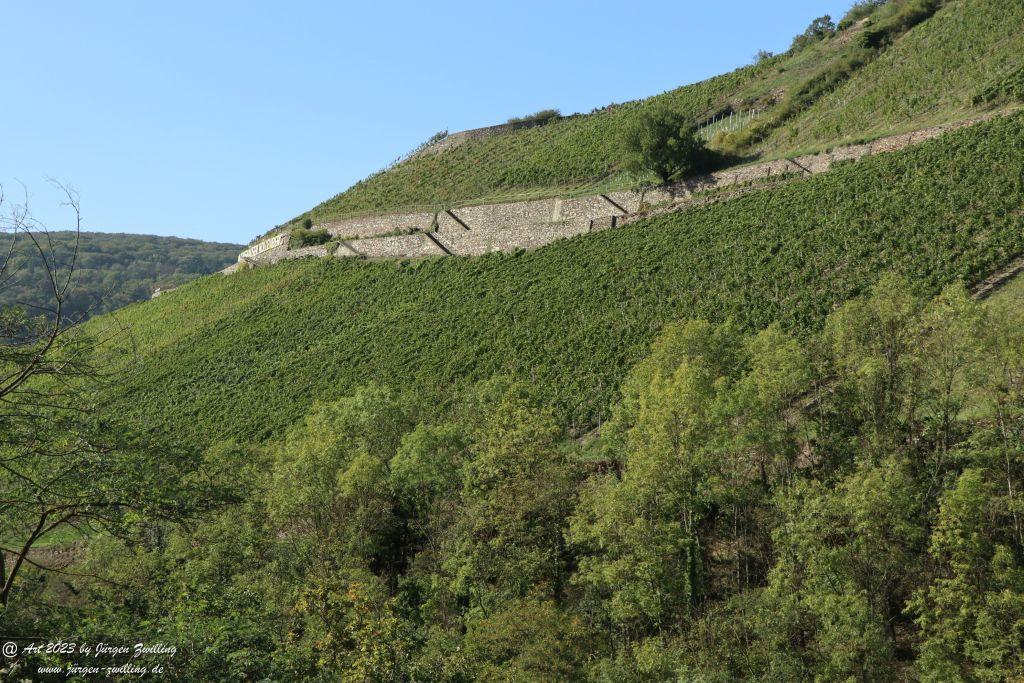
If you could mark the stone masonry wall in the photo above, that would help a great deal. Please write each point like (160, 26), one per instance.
(474, 230)
(274, 242)
(510, 238)
(377, 225)
(397, 246)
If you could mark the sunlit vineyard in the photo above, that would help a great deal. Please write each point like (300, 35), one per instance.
(571, 154)
(245, 355)
(581, 154)
(934, 72)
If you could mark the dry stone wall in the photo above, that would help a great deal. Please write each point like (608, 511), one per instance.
(474, 230)
(275, 242)
(372, 226)
(510, 237)
(396, 246)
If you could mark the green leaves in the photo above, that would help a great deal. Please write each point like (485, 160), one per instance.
(701, 416)
(664, 142)
(245, 357)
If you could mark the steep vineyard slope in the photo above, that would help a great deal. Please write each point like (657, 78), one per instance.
(244, 356)
(908, 64)
(939, 71)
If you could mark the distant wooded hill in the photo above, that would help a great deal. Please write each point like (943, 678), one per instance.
(112, 269)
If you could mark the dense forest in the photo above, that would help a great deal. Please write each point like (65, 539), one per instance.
(844, 506)
(111, 270)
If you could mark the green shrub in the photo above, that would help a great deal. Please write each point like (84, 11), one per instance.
(819, 29)
(885, 31)
(821, 83)
(663, 142)
(1007, 88)
(860, 9)
(541, 117)
(304, 237)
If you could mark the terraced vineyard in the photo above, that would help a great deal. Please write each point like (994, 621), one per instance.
(746, 426)
(244, 356)
(573, 154)
(832, 91)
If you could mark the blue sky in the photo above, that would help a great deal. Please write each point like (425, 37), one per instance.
(217, 120)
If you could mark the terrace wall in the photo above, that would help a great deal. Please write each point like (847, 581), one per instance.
(474, 230)
(377, 225)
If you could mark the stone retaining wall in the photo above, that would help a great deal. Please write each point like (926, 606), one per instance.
(273, 242)
(510, 238)
(277, 255)
(396, 246)
(473, 230)
(377, 225)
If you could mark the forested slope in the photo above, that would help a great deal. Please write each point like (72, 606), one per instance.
(111, 270)
(244, 356)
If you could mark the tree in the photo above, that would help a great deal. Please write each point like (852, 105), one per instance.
(63, 468)
(971, 614)
(664, 142)
(819, 29)
(527, 640)
(703, 438)
(331, 496)
(857, 11)
(507, 539)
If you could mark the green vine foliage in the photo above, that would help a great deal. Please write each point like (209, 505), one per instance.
(244, 356)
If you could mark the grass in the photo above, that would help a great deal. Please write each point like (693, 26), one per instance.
(244, 356)
(931, 75)
(1010, 293)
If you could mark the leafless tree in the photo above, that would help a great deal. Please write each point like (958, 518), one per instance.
(62, 465)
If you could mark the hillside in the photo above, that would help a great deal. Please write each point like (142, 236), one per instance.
(761, 424)
(964, 58)
(399, 490)
(113, 270)
(245, 355)
(904, 65)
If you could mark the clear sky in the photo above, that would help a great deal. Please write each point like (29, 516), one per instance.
(218, 120)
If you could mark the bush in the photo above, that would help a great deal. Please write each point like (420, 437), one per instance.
(664, 142)
(1008, 88)
(859, 11)
(304, 237)
(541, 117)
(819, 29)
(887, 30)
